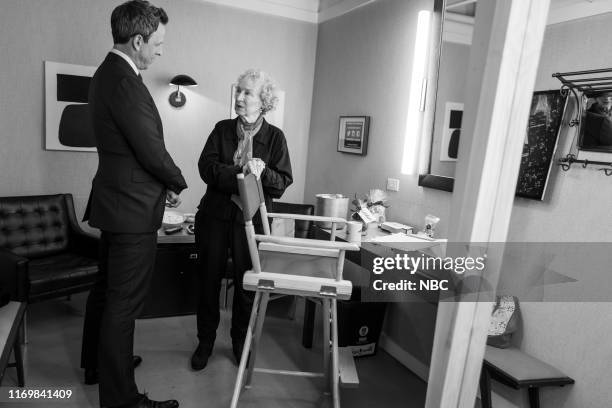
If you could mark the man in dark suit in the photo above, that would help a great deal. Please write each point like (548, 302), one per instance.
(598, 122)
(135, 176)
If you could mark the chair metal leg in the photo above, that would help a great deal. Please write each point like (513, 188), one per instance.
(310, 310)
(224, 294)
(326, 341)
(19, 363)
(485, 388)
(292, 308)
(261, 316)
(335, 365)
(24, 329)
(245, 351)
(226, 288)
(534, 397)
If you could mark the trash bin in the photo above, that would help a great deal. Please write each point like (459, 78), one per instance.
(360, 324)
(331, 205)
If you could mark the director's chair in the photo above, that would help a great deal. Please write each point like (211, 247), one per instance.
(292, 266)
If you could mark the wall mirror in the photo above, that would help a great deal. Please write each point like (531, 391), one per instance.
(596, 122)
(451, 67)
(592, 92)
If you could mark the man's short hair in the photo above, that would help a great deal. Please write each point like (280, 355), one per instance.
(136, 17)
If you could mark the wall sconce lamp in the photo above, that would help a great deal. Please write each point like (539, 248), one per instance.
(178, 99)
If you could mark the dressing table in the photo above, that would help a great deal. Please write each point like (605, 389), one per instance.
(358, 265)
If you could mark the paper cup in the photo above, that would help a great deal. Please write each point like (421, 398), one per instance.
(353, 231)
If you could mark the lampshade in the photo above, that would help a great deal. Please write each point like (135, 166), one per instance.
(183, 80)
(177, 99)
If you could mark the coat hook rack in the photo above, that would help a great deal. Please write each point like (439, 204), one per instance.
(567, 161)
(565, 91)
(607, 171)
(587, 83)
(583, 85)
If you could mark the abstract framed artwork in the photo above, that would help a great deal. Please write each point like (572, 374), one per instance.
(449, 146)
(67, 121)
(541, 138)
(275, 117)
(353, 134)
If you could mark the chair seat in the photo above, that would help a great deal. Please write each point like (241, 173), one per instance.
(298, 264)
(296, 274)
(59, 271)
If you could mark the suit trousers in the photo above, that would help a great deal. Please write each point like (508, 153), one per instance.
(115, 301)
(214, 238)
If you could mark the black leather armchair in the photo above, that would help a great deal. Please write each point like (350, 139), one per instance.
(44, 253)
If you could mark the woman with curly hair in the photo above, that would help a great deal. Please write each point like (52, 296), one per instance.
(246, 144)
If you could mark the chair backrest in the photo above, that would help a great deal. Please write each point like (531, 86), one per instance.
(251, 196)
(35, 226)
(252, 199)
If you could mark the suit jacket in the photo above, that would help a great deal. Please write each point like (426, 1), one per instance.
(134, 169)
(217, 169)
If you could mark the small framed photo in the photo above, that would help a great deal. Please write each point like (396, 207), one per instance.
(353, 134)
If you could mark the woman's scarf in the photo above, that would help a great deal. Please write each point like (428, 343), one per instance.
(245, 131)
(244, 151)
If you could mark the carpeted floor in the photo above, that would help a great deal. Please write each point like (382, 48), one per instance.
(53, 356)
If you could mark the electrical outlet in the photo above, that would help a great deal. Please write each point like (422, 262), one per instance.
(392, 184)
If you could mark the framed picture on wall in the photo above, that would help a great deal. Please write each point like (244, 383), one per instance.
(353, 134)
(545, 118)
(67, 121)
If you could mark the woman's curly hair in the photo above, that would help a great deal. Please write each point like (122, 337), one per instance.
(268, 96)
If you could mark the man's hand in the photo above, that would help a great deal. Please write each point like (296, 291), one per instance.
(172, 199)
(255, 166)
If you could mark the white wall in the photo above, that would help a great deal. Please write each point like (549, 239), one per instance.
(211, 43)
(363, 67)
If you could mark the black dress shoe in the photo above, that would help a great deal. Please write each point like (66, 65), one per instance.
(200, 356)
(145, 402)
(91, 374)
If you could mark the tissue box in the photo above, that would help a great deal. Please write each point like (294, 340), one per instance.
(395, 227)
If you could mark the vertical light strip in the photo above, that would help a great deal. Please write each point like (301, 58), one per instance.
(414, 117)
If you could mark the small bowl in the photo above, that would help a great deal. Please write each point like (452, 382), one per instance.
(172, 219)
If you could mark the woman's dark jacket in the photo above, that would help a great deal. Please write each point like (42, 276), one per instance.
(218, 171)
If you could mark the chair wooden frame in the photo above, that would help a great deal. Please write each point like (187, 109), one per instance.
(329, 290)
(290, 208)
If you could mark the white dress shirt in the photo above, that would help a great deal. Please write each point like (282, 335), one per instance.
(127, 59)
